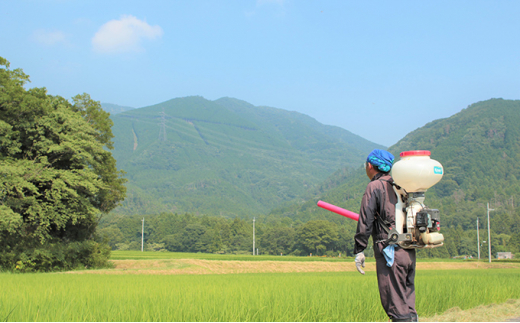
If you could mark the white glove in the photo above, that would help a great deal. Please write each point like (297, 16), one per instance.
(360, 262)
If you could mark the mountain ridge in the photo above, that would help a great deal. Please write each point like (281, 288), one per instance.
(476, 147)
(195, 155)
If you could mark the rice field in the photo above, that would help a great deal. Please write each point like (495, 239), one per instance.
(277, 297)
(138, 255)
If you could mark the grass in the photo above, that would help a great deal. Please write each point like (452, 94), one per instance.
(343, 296)
(138, 255)
(483, 313)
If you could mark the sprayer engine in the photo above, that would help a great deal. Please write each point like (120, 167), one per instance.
(421, 229)
(428, 219)
(416, 226)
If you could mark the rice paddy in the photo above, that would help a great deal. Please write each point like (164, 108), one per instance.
(247, 296)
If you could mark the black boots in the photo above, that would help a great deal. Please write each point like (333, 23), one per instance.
(411, 318)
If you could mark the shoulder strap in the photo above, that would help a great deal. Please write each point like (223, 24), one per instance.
(391, 182)
(384, 223)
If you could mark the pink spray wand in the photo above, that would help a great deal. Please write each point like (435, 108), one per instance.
(338, 210)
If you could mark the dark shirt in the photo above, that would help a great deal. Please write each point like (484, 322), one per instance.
(379, 200)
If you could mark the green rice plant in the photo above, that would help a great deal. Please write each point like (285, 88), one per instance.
(138, 255)
(239, 297)
(438, 291)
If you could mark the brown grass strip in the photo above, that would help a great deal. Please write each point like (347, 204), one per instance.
(204, 267)
(505, 312)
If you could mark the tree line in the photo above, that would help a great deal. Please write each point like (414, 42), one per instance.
(275, 236)
(215, 234)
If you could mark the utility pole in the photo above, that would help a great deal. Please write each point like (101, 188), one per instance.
(489, 232)
(478, 242)
(254, 249)
(142, 237)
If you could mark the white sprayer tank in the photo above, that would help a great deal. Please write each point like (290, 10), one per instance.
(416, 171)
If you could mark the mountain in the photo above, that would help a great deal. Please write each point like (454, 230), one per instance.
(294, 124)
(479, 148)
(114, 108)
(225, 157)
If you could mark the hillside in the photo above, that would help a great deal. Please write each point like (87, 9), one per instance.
(225, 156)
(479, 148)
(294, 125)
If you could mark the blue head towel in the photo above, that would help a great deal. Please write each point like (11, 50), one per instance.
(389, 253)
(382, 159)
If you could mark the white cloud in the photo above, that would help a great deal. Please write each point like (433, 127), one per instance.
(124, 35)
(49, 38)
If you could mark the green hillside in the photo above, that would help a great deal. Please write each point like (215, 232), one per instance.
(479, 148)
(296, 126)
(225, 157)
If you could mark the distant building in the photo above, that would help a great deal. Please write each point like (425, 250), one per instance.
(504, 255)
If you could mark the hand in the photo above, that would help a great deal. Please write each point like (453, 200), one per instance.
(360, 262)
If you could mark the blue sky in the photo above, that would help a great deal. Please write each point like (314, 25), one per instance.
(379, 69)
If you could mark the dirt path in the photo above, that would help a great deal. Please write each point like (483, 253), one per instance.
(202, 267)
(505, 312)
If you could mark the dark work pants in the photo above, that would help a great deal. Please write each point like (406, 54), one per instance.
(396, 283)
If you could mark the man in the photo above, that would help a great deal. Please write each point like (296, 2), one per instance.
(395, 266)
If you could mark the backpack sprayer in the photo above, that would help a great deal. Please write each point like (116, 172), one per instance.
(416, 226)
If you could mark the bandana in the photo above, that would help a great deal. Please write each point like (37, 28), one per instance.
(382, 159)
(389, 253)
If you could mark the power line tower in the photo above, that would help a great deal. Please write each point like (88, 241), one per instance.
(162, 130)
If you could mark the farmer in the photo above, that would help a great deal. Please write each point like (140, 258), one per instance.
(395, 266)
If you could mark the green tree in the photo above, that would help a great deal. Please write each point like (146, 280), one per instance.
(172, 242)
(345, 243)
(241, 236)
(467, 246)
(514, 243)
(193, 238)
(278, 240)
(57, 174)
(318, 236)
(112, 235)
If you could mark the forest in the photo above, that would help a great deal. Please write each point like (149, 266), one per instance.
(283, 236)
(224, 157)
(479, 148)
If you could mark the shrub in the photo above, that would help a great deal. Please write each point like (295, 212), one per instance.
(57, 256)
